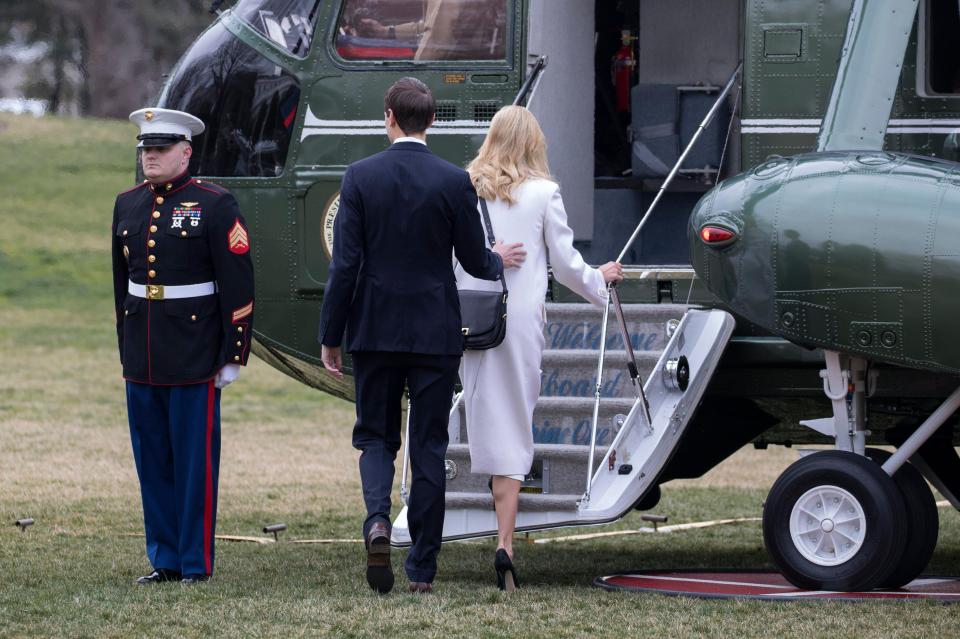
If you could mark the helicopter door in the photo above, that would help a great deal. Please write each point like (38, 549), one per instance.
(659, 68)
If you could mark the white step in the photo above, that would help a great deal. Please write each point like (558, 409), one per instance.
(577, 326)
(556, 469)
(529, 502)
(573, 373)
(565, 420)
(642, 449)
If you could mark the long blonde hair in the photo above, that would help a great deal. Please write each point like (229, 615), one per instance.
(515, 151)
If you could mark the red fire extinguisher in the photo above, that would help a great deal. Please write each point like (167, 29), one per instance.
(623, 64)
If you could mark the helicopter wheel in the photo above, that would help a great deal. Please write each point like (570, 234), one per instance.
(835, 521)
(923, 522)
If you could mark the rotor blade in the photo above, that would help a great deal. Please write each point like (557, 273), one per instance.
(870, 66)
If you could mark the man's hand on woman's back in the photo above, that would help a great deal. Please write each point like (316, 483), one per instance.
(512, 255)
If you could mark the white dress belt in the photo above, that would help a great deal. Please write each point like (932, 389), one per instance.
(162, 292)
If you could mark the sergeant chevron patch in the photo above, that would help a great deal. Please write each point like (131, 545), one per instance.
(242, 312)
(237, 239)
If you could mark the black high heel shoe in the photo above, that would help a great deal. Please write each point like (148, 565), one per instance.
(506, 575)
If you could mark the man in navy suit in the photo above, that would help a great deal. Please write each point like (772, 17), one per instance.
(403, 213)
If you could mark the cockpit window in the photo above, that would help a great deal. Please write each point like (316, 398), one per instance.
(247, 103)
(942, 47)
(289, 23)
(422, 30)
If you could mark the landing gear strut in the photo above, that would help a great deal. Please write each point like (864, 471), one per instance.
(923, 522)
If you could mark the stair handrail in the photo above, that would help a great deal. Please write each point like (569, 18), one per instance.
(404, 487)
(614, 298)
(404, 490)
(529, 88)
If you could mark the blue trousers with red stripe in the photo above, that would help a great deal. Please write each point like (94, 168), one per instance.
(175, 431)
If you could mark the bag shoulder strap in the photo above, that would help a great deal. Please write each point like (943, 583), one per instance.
(492, 239)
(486, 222)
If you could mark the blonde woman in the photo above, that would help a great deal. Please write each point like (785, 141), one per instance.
(502, 385)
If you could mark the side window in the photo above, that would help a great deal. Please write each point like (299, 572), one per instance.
(941, 47)
(248, 104)
(289, 23)
(422, 30)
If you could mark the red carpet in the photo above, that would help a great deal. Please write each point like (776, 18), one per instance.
(768, 585)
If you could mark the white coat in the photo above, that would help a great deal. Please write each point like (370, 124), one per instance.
(501, 385)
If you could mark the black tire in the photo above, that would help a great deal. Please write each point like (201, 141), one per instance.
(923, 522)
(883, 510)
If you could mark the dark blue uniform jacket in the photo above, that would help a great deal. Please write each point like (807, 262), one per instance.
(403, 213)
(186, 231)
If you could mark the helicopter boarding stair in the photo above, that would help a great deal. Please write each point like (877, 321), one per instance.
(596, 459)
(630, 450)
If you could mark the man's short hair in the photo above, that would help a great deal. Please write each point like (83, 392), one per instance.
(412, 104)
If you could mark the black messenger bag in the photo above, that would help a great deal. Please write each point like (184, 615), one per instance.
(483, 314)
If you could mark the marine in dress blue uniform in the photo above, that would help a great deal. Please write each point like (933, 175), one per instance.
(184, 295)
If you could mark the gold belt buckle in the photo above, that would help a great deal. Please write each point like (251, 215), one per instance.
(154, 291)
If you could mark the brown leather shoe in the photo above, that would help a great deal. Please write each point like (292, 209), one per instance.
(379, 571)
(420, 587)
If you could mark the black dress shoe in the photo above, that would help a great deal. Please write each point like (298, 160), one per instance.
(194, 579)
(506, 575)
(157, 576)
(379, 571)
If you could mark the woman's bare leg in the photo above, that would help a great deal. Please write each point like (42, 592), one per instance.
(506, 497)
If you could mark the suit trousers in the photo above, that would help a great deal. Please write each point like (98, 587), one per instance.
(175, 432)
(380, 378)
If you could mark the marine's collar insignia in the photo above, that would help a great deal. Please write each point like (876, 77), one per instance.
(237, 239)
(188, 205)
(126, 252)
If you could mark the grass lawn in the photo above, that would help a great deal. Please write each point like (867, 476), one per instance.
(65, 460)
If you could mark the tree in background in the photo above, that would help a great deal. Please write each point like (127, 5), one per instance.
(104, 58)
(40, 53)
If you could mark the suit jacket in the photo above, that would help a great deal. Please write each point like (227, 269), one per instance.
(403, 213)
